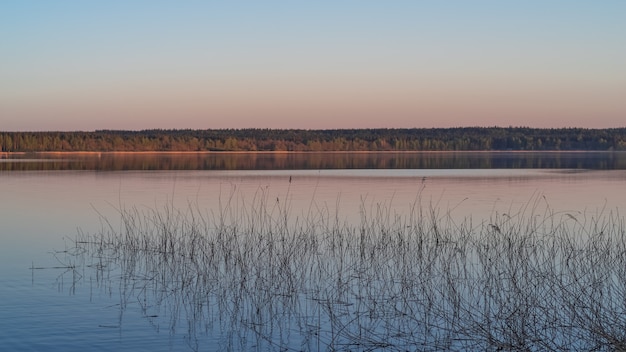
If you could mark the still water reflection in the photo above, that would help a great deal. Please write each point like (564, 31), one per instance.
(106, 301)
(294, 161)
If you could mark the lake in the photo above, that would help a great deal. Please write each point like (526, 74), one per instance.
(300, 251)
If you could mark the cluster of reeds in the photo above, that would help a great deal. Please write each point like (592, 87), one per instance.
(254, 275)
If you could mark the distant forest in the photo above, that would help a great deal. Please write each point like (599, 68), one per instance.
(435, 139)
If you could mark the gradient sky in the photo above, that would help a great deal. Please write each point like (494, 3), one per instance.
(85, 65)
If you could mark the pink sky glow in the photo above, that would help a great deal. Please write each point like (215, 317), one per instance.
(359, 64)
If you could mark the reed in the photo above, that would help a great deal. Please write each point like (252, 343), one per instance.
(254, 275)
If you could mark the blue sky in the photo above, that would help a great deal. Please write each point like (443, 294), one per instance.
(82, 65)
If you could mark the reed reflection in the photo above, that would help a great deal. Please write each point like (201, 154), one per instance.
(258, 277)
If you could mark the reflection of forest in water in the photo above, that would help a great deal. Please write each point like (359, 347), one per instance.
(303, 161)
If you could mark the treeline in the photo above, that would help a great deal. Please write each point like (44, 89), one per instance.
(435, 139)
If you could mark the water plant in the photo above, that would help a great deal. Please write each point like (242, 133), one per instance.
(254, 275)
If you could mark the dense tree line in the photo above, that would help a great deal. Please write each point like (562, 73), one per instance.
(435, 139)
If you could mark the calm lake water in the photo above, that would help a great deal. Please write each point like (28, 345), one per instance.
(50, 300)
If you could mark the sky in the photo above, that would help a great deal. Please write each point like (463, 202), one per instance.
(143, 64)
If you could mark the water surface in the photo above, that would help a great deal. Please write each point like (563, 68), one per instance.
(48, 199)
